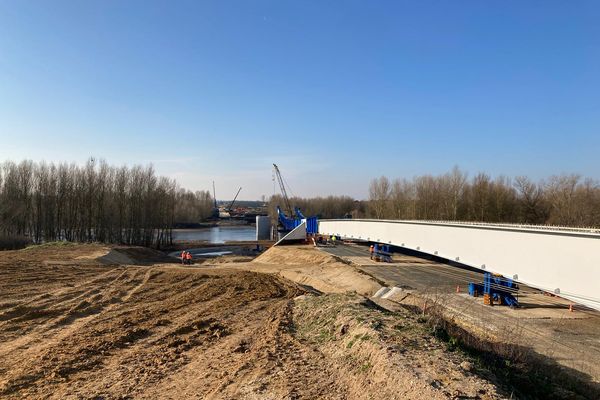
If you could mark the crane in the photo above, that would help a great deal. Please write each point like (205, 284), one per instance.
(215, 210)
(234, 199)
(286, 199)
(215, 195)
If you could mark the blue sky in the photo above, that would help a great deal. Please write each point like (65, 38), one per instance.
(334, 92)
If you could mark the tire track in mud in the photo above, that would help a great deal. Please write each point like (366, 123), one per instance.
(169, 324)
(76, 309)
(59, 301)
(67, 311)
(124, 286)
(147, 276)
(56, 295)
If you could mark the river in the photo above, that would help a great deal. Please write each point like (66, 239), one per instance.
(217, 234)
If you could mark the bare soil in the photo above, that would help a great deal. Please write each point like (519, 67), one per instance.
(307, 266)
(77, 322)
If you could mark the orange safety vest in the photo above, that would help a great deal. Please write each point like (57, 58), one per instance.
(188, 256)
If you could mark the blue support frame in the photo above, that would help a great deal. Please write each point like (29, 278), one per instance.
(312, 224)
(493, 286)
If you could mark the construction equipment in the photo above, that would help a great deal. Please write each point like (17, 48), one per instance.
(215, 210)
(286, 199)
(496, 289)
(382, 253)
(287, 222)
(299, 213)
(233, 201)
(295, 215)
(215, 195)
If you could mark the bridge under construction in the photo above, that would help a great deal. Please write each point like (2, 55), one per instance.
(561, 261)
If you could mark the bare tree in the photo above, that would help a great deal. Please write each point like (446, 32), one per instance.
(403, 199)
(95, 202)
(561, 193)
(563, 200)
(456, 183)
(379, 196)
(532, 203)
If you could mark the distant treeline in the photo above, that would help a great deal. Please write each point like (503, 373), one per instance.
(567, 200)
(94, 202)
(323, 207)
(193, 207)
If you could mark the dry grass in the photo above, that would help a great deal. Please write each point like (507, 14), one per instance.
(519, 369)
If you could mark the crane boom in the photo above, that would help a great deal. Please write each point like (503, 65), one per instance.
(215, 195)
(286, 199)
(234, 199)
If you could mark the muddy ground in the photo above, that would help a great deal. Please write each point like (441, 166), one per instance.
(88, 321)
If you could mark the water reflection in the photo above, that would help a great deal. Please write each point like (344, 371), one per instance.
(217, 234)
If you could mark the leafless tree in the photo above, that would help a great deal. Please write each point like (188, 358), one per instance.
(563, 200)
(379, 196)
(93, 202)
(532, 202)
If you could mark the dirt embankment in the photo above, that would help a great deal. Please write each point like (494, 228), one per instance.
(384, 355)
(72, 326)
(307, 266)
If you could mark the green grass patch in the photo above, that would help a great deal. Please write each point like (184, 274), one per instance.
(365, 367)
(50, 245)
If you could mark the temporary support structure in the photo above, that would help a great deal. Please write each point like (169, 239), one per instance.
(297, 234)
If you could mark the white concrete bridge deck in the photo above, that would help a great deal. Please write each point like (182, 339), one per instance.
(564, 261)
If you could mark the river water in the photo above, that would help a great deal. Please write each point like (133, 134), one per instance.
(217, 234)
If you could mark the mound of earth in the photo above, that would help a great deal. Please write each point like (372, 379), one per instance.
(295, 255)
(136, 256)
(55, 251)
(308, 266)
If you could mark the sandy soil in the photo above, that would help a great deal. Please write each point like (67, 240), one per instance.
(75, 323)
(305, 265)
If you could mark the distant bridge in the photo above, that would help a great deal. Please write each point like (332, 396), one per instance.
(563, 261)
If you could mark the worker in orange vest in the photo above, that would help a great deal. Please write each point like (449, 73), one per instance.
(371, 250)
(188, 257)
(183, 256)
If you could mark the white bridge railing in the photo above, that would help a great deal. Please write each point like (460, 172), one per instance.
(564, 261)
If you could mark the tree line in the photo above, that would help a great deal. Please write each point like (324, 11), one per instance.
(192, 207)
(94, 202)
(324, 207)
(566, 200)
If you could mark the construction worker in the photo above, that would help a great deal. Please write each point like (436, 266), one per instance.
(183, 256)
(188, 258)
(371, 250)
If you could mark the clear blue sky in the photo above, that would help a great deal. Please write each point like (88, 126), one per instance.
(334, 92)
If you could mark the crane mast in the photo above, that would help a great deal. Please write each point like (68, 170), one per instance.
(286, 199)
